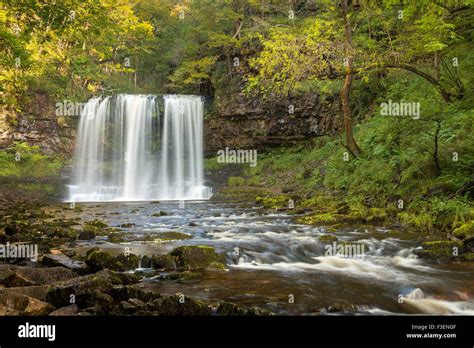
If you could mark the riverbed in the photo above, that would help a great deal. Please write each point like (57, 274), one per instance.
(280, 265)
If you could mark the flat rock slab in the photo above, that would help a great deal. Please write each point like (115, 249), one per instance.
(19, 304)
(19, 276)
(63, 261)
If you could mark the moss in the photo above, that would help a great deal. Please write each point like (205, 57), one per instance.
(98, 260)
(168, 236)
(186, 277)
(97, 223)
(327, 239)
(441, 250)
(467, 257)
(163, 262)
(236, 181)
(376, 215)
(197, 257)
(317, 219)
(277, 202)
(464, 231)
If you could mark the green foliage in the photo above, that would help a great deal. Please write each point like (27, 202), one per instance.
(24, 162)
(236, 181)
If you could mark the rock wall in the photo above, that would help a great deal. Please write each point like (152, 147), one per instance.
(37, 124)
(246, 123)
(238, 123)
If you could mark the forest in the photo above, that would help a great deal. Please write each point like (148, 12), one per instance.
(354, 118)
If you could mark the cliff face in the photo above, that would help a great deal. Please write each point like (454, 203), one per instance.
(238, 123)
(247, 123)
(37, 124)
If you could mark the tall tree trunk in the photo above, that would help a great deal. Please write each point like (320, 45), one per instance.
(351, 144)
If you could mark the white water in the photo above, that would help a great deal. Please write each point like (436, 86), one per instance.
(127, 151)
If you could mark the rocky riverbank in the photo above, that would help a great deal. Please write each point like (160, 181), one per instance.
(67, 277)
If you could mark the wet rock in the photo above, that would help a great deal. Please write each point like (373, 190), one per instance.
(10, 278)
(198, 257)
(123, 293)
(96, 223)
(179, 305)
(12, 229)
(192, 224)
(59, 294)
(327, 239)
(228, 308)
(127, 225)
(160, 213)
(467, 257)
(18, 304)
(27, 276)
(62, 260)
(64, 311)
(465, 231)
(127, 307)
(185, 277)
(100, 301)
(36, 291)
(86, 235)
(168, 236)
(129, 262)
(145, 261)
(439, 250)
(163, 262)
(98, 260)
(342, 307)
(257, 311)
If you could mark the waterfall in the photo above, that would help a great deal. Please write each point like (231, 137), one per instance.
(127, 150)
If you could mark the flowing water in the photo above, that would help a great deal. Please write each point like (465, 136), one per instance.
(270, 257)
(128, 151)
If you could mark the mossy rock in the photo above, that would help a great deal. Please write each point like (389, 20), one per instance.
(86, 235)
(185, 277)
(467, 257)
(439, 250)
(129, 262)
(228, 308)
(277, 202)
(236, 181)
(96, 223)
(168, 236)
(327, 239)
(376, 215)
(127, 225)
(318, 219)
(198, 257)
(117, 237)
(160, 213)
(163, 262)
(98, 260)
(464, 231)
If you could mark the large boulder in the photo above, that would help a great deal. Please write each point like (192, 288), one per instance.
(100, 259)
(38, 292)
(83, 288)
(198, 257)
(54, 260)
(163, 262)
(19, 304)
(440, 250)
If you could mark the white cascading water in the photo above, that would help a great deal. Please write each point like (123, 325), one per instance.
(127, 151)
